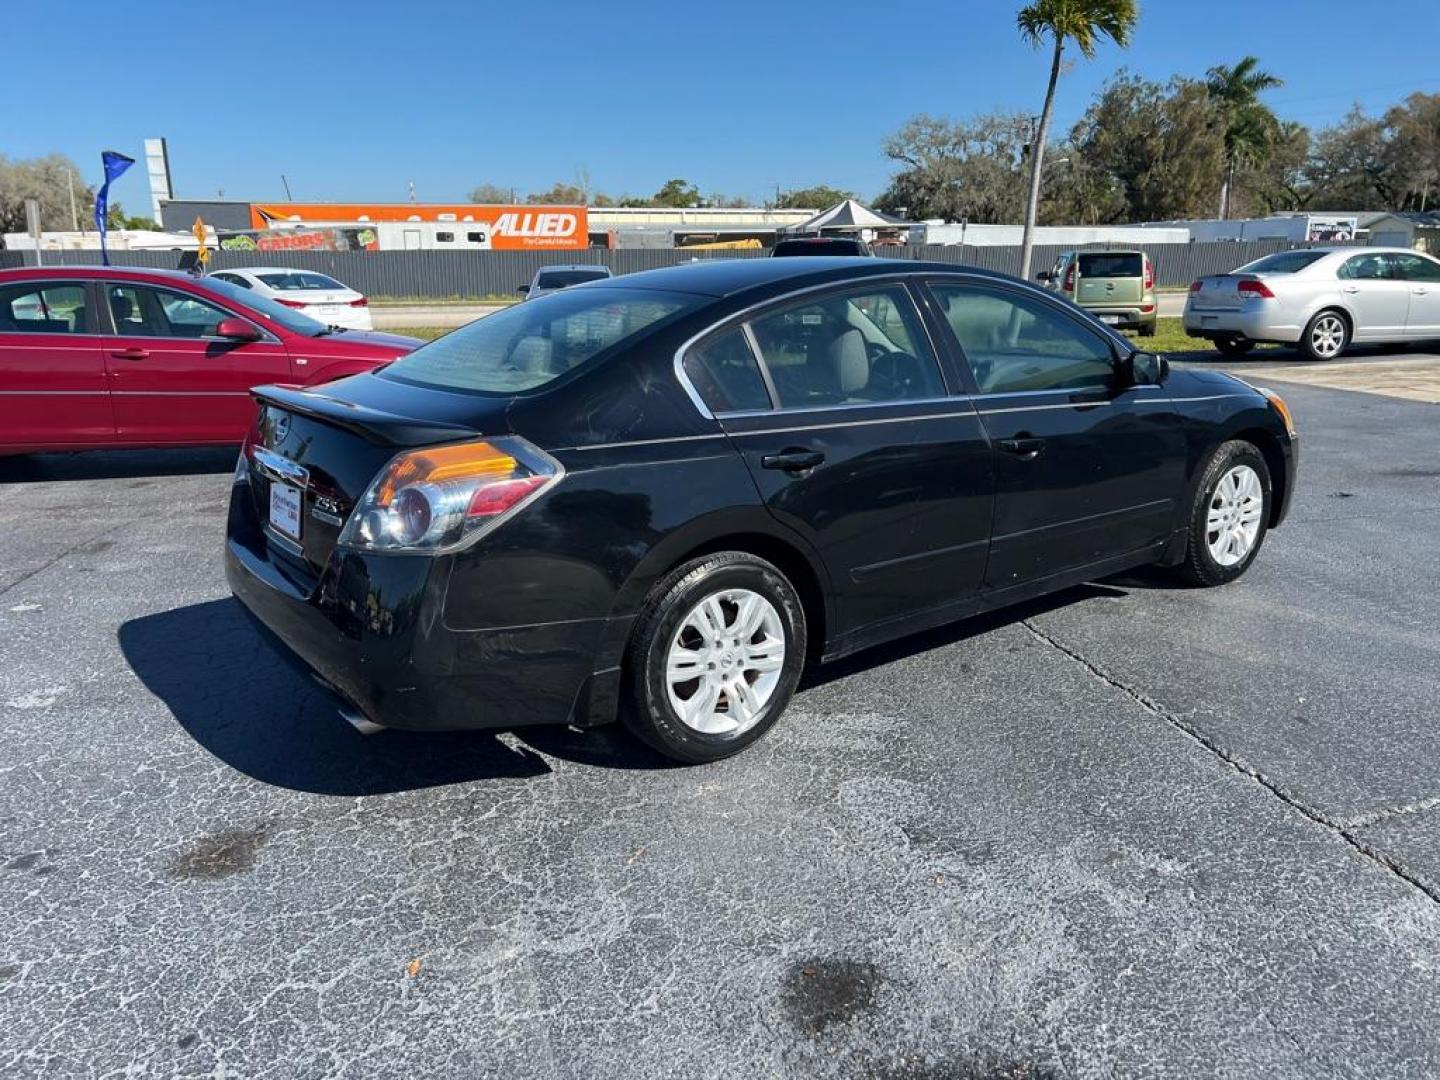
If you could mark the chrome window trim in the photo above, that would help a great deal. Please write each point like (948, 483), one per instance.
(845, 407)
(902, 278)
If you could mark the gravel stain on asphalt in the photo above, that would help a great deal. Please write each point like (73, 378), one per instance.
(822, 991)
(230, 852)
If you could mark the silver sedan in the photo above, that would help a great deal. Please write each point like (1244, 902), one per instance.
(1319, 299)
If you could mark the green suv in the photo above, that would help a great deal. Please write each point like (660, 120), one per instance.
(1117, 287)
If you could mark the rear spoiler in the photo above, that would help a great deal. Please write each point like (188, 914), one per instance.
(375, 425)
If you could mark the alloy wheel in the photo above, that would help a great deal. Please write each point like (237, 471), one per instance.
(724, 662)
(1232, 523)
(1327, 336)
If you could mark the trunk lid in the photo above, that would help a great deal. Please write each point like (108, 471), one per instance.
(318, 450)
(1220, 292)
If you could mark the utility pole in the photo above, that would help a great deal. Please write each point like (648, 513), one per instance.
(75, 217)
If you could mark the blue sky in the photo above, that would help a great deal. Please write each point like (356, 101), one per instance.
(355, 100)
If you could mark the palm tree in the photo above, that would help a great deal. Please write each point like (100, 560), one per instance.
(1250, 127)
(1085, 22)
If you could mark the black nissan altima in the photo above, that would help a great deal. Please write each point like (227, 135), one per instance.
(657, 498)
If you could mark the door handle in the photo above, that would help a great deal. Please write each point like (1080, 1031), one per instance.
(1351, 289)
(130, 354)
(1024, 449)
(794, 460)
(1420, 292)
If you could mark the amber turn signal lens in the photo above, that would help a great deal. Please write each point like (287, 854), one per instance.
(1278, 404)
(436, 464)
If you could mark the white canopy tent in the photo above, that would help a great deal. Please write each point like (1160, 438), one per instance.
(847, 216)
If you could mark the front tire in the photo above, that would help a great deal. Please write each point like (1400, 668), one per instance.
(1229, 517)
(1326, 336)
(715, 657)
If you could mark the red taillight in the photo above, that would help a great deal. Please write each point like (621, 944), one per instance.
(1147, 308)
(1149, 274)
(1255, 288)
(291, 303)
(1069, 283)
(1195, 286)
(496, 498)
(362, 302)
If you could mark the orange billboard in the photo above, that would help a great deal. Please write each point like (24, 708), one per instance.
(511, 228)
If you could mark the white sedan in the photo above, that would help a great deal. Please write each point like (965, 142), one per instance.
(307, 291)
(1319, 299)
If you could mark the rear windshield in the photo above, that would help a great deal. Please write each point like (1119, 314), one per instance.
(1111, 264)
(563, 279)
(1284, 262)
(295, 279)
(529, 345)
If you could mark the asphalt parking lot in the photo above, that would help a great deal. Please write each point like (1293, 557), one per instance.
(1132, 830)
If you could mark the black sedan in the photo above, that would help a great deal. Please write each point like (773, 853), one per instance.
(659, 497)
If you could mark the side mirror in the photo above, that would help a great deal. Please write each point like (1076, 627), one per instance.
(522, 289)
(1144, 369)
(237, 330)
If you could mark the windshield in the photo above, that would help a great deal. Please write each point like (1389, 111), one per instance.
(529, 345)
(265, 308)
(1111, 265)
(563, 279)
(1284, 262)
(298, 280)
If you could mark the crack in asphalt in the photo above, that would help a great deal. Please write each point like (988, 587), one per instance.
(1341, 829)
(1387, 813)
(47, 565)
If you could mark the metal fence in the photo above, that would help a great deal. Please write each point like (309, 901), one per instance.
(441, 274)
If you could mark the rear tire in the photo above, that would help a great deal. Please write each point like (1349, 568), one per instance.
(715, 656)
(1234, 346)
(1326, 336)
(1229, 517)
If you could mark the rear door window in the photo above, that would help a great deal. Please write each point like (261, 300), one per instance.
(1372, 267)
(863, 346)
(1112, 265)
(726, 374)
(38, 308)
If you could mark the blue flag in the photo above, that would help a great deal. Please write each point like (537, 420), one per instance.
(115, 164)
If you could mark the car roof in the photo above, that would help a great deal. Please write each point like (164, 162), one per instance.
(100, 273)
(574, 266)
(726, 277)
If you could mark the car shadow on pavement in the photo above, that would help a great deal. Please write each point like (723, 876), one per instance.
(976, 626)
(117, 464)
(245, 704)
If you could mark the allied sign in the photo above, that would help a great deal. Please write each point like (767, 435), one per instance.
(512, 228)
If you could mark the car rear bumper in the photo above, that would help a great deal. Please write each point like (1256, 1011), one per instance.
(1124, 316)
(371, 628)
(1254, 325)
(350, 318)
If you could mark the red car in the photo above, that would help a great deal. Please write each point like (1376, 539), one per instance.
(96, 357)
